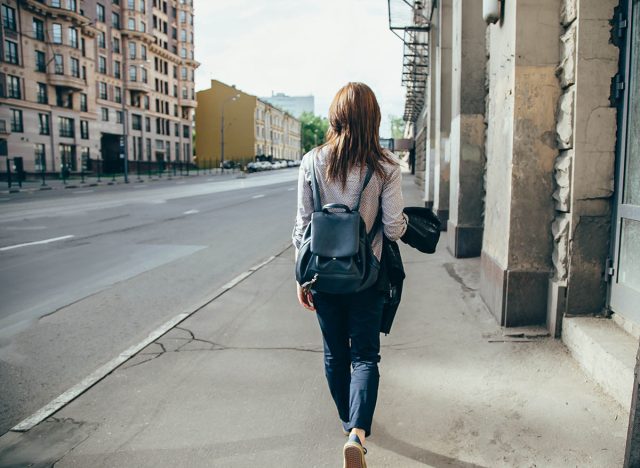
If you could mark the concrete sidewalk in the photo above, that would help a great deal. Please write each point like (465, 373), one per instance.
(240, 383)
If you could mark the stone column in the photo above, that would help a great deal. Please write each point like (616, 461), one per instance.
(466, 191)
(521, 152)
(442, 75)
(430, 157)
(584, 170)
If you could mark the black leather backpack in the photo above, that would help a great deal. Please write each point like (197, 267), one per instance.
(335, 255)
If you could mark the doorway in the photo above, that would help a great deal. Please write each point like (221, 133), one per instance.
(625, 285)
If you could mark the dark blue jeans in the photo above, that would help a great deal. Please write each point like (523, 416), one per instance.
(350, 325)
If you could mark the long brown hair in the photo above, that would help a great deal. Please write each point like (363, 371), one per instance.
(352, 137)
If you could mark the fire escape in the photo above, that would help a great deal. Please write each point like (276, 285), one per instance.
(408, 21)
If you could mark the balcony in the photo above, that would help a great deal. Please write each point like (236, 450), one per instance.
(66, 81)
(138, 87)
(192, 103)
(138, 35)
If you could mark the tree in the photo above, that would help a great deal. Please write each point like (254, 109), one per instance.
(397, 126)
(314, 130)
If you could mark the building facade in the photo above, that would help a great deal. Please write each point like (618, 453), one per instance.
(526, 121)
(85, 84)
(248, 126)
(295, 105)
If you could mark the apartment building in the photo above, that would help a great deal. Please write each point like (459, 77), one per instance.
(85, 84)
(243, 126)
(295, 105)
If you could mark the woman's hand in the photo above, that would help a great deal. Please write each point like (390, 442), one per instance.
(304, 298)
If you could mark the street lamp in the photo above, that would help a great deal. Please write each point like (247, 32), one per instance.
(229, 99)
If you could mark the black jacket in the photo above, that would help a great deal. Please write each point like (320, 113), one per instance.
(390, 279)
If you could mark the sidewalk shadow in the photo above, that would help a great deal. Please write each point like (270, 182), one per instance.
(403, 448)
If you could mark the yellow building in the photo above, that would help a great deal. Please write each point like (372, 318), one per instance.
(251, 128)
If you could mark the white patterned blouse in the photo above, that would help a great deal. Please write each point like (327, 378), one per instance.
(388, 192)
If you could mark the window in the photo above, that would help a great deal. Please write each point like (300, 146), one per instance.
(183, 53)
(143, 26)
(102, 65)
(40, 157)
(100, 12)
(132, 50)
(143, 74)
(105, 114)
(55, 3)
(11, 52)
(185, 95)
(71, 5)
(147, 124)
(136, 122)
(85, 155)
(131, 24)
(119, 117)
(116, 69)
(142, 7)
(58, 64)
(143, 52)
(148, 146)
(183, 35)
(57, 33)
(38, 29)
(43, 124)
(83, 102)
(133, 73)
(185, 131)
(183, 73)
(73, 37)
(102, 39)
(16, 121)
(13, 87)
(116, 45)
(83, 47)
(8, 17)
(40, 61)
(102, 90)
(146, 102)
(68, 156)
(115, 20)
(63, 98)
(183, 16)
(176, 129)
(84, 129)
(67, 127)
(117, 94)
(75, 67)
(42, 94)
(131, 4)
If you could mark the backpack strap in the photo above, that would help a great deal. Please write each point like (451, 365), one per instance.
(317, 204)
(367, 178)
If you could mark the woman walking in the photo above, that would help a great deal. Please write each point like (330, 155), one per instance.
(350, 323)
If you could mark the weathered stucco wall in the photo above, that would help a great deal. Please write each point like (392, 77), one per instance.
(500, 127)
(524, 91)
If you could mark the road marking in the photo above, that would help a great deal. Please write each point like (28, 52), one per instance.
(83, 191)
(208, 180)
(100, 373)
(180, 183)
(258, 196)
(291, 189)
(46, 241)
(191, 212)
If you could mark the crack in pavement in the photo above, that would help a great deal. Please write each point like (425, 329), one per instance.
(212, 346)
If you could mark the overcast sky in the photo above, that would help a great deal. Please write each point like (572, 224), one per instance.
(300, 47)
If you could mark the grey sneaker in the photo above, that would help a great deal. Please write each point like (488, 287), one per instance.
(354, 453)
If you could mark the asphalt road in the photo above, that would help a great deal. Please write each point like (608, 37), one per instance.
(86, 273)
